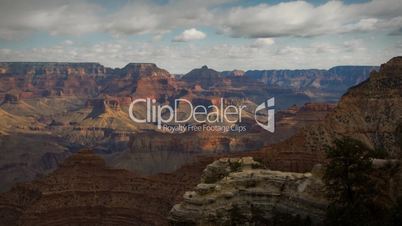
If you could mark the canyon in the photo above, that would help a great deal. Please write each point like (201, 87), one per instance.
(52, 110)
(273, 171)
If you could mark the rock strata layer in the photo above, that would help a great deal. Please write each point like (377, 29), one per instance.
(84, 191)
(238, 186)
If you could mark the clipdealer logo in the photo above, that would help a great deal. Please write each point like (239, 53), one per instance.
(164, 115)
(269, 107)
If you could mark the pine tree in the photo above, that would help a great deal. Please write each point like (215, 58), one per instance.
(350, 186)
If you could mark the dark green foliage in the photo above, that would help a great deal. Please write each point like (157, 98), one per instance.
(349, 184)
(348, 173)
(354, 188)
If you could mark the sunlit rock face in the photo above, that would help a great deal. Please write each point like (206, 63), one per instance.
(29, 80)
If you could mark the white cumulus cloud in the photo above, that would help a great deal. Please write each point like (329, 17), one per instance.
(190, 35)
(261, 42)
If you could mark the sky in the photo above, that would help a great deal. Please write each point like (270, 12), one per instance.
(179, 35)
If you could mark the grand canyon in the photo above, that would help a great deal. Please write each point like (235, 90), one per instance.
(200, 113)
(72, 155)
(61, 108)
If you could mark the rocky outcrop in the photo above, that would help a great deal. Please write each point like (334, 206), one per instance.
(143, 70)
(238, 190)
(370, 112)
(204, 76)
(101, 106)
(125, 81)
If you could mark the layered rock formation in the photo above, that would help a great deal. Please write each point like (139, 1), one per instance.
(235, 190)
(239, 191)
(140, 79)
(83, 191)
(370, 112)
(29, 80)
